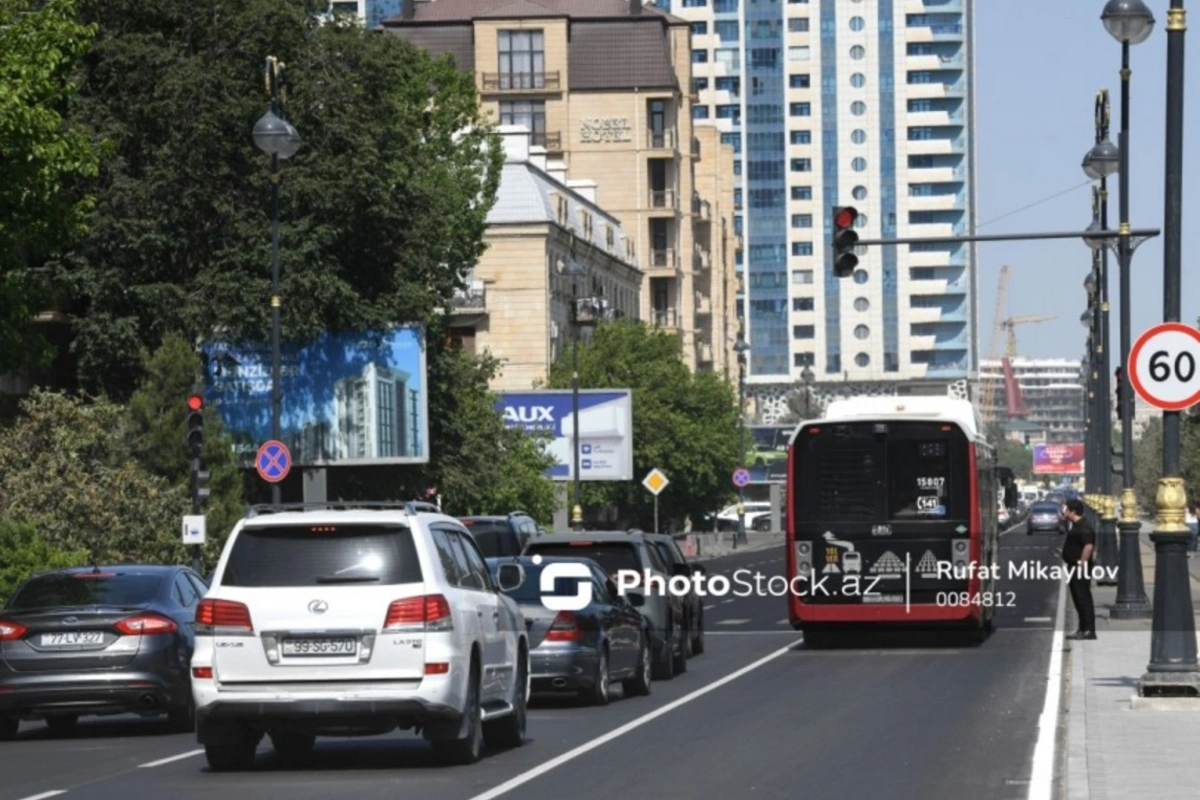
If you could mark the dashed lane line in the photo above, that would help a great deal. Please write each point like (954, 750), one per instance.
(1038, 619)
(170, 759)
(710, 605)
(44, 795)
(733, 622)
(616, 733)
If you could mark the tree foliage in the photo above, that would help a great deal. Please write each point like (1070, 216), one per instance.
(67, 469)
(684, 423)
(802, 403)
(1014, 456)
(382, 208)
(23, 552)
(40, 44)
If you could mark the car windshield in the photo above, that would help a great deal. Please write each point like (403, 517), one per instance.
(311, 555)
(611, 556)
(87, 589)
(495, 539)
(1044, 508)
(530, 591)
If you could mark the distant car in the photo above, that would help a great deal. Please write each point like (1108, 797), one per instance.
(584, 650)
(1044, 516)
(677, 563)
(99, 641)
(727, 518)
(500, 536)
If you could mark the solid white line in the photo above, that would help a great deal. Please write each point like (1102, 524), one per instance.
(169, 759)
(733, 622)
(1041, 784)
(570, 755)
(1039, 619)
(43, 795)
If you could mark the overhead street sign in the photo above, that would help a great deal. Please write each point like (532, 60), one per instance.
(741, 477)
(1164, 366)
(655, 481)
(273, 461)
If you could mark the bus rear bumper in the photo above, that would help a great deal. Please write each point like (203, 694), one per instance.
(830, 616)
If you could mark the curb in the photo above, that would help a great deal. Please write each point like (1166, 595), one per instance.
(723, 548)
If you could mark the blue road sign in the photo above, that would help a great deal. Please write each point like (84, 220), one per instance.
(273, 461)
(741, 477)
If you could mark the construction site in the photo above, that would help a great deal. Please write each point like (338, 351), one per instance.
(1034, 400)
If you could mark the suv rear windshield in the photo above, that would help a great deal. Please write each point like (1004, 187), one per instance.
(311, 555)
(87, 589)
(611, 556)
(495, 539)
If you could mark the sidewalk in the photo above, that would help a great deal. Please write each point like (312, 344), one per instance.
(1114, 751)
(711, 545)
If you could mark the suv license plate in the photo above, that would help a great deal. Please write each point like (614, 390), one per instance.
(320, 647)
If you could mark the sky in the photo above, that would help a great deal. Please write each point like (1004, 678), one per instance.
(1039, 65)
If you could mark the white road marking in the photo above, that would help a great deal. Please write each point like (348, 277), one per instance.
(710, 605)
(1041, 784)
(43, 795)
(749, 633)
(733, 622)
(1038, 619)
(169, 759)
(726, 602)
(784, 621)
(570, 755)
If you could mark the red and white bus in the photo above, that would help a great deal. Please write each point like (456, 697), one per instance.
(892, 518)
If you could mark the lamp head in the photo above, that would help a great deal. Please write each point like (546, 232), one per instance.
(271, 134)
(1127, 20)
(1094, 242)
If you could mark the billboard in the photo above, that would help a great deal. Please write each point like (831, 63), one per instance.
(354, 399)
(766, 454)
(1058, 459)
(605, 429)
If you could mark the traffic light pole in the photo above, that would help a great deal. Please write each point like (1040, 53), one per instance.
(197, 509)
(1137, 233)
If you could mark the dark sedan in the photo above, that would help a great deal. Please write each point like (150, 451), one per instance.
(1044, 516)
(98, 641)
(582, 649)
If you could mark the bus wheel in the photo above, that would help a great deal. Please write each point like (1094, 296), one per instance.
(818, 640)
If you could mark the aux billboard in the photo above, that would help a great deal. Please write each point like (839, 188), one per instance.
(605, 429)
(1058, 459)
(354, 399)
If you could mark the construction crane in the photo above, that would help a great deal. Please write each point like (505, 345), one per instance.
(1010, 325)
(987, 401)
(1014, 401)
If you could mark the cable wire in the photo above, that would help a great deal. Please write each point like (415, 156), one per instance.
(1034, 204)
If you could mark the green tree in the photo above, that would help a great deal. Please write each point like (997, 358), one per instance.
(684, 423)
(1147, 464)
(1014, 456)
(802, 405)
(158, 418)
(67, 469)
(382, 209)
(40, 46)
(23, 553)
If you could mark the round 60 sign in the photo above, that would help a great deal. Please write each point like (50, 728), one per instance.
(1164, 366)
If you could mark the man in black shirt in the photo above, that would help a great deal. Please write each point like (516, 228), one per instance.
(1077, 553)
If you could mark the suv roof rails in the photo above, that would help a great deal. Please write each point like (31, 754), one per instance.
(518, 513)
(410, 507)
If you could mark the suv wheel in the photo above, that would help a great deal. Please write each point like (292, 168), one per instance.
(8, 728)
(182, 719)
(597, 695)
(231, 756)
(468, 748)
(639, 684)
(680, 658)
(509, 730)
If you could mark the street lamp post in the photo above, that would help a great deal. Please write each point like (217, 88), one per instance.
(1172, 669)
(1099, 163)
(1129, 22)
(575, 270)
(741, 348)
(277, 138)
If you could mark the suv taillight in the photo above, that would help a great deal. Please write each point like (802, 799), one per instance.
(11, 631)
(145, 625)
(565, 628)
(213, 614)
(427, 613)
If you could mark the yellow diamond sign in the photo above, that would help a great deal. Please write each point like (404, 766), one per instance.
(655, 481)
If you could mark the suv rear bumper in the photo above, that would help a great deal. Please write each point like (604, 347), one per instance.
(222, 722)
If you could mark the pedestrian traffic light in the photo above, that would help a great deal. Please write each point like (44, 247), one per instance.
(195, 425)
(1119, 374)
(844, 240)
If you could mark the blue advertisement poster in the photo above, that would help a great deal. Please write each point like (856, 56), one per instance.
(355, 399)
(605, 429)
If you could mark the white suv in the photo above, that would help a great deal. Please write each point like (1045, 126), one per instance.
(356, 622)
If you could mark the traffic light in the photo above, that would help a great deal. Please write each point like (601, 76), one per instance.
(200, 490)
(1119, 374)
(844, 240)
(195, 424)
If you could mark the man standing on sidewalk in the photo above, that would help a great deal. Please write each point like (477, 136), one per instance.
(1077, 552)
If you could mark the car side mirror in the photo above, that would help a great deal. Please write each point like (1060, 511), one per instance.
(699, 569)
(509, 576)
(636, 599)
(611, 587)
(682, 569)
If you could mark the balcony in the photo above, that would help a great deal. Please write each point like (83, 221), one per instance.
(701, 259)
(551, 140)
(663, 259)
(471, 300)
(518, 82)
(704, 353)
(663, 199)
(703, 304)
(664, 318)
(701, 209)
(660, 140)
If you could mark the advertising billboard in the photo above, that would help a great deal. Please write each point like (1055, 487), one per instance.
(605, 429)
(1058, 459)
(355, 399)
(766, 456)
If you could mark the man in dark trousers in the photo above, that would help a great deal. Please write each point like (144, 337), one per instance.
(1077, 553)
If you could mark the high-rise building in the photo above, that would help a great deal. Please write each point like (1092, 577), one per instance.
(375, 415)
(1052, 391)
(833, 103)
(605, 87)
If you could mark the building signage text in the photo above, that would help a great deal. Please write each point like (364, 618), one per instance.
(605, 129)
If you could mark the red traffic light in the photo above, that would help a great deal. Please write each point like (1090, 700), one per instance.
(845, 217)
(195, 402)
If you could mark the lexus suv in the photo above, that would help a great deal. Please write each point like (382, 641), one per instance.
(355, 621)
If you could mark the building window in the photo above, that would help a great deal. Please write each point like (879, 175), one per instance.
(726, 31)
(729, 57)
(859, 136)
(862, 359)
(729, 112)
(860, 221)
(921, 77)
(803, 304)
(798, 53)
(802, 248)
(805, 359)
(858, 52)
(804, 332)
(801, 220)
(699, 112)
(800, 109)
(861, 332)
(801, 165)
(920, 106)
(695, 3)
(699, 28)
(802, 276)
(725, 6)
(860, 193)
(858, 108)
(798, 25)
(800, 81)
(858, 80)
(699, 56)
(522, 57)
(530, 113)
(801, 137)
(857, 24)
(731, 85)
(920, 134)
(802, 193)
(859, 164)
(861, 304)
(733, 139)
(861, 276)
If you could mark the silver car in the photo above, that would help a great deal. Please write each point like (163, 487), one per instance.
(1044, 516)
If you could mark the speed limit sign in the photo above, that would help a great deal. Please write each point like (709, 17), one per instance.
(1164, 366)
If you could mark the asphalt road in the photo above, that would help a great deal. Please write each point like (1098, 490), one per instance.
(755, 713)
